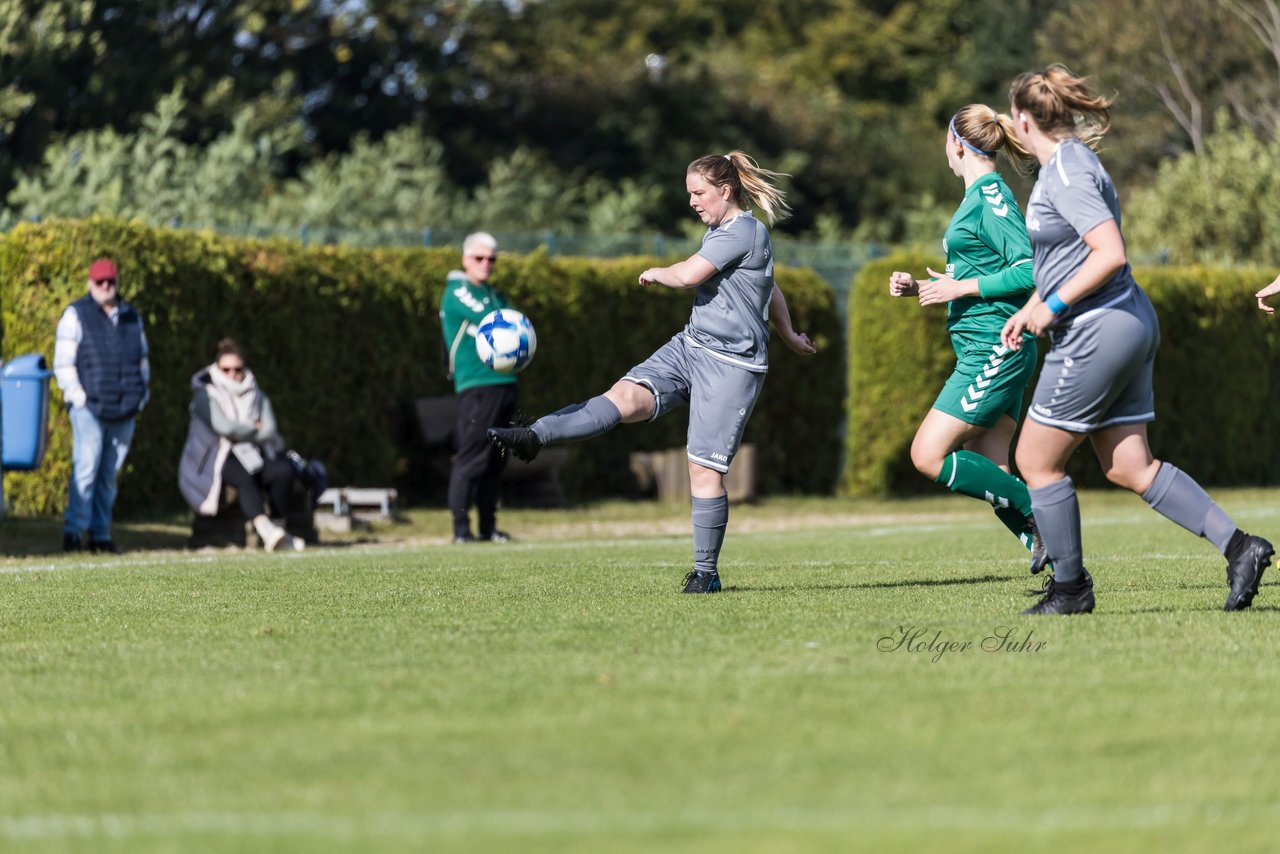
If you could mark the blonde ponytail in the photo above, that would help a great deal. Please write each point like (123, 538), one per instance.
(752, 185)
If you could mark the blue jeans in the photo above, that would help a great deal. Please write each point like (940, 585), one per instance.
(98, 449)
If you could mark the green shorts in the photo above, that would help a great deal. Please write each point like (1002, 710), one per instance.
(988, 380)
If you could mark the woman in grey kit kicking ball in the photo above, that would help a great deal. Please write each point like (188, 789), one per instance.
(1096, 379)
(716, 365)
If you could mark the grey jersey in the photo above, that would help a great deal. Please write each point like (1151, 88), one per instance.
(731, 313)
(1073, 194)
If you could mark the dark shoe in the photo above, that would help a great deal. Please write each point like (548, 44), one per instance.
(464, 539)
(104, 547)
(1075, 597)
(1039, 553)
(702, 582)
(71, 543)
(520, 441)
(498, 537)
(1247, 557)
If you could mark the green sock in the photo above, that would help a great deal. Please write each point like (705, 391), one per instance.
(976, 476)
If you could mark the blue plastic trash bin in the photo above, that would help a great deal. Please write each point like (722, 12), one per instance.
(24, 412)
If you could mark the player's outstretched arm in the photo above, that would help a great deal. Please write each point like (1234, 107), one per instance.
(689, 273)
(780, 316)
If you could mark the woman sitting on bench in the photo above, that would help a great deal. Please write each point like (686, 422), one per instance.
(232, 439)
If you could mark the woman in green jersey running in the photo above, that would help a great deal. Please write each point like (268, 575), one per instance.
(964, 440)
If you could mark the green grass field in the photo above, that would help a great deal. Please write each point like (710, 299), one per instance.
(558, 694)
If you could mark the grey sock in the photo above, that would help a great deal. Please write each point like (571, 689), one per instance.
(1057, 513)
(710, 517)
(579, 421)
(1178, 498)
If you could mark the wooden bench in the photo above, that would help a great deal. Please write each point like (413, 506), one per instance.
(534, 484)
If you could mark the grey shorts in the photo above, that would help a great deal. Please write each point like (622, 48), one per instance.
(720, 397)
(1098, 372)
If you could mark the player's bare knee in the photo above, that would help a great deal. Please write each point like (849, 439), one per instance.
(926, 457)
(1034, 468)
(926, 462)
(705, 482)
(1133, 477)
(1120, 477)
(634, 401)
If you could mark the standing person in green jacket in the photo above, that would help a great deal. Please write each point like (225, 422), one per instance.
(964, 440)
(486, 398)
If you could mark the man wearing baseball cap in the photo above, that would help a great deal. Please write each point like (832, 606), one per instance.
(100, 363)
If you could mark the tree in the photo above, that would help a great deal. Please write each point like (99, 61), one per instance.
(153, 174)
(1222, 206)
(850, 96)
(1165, 59)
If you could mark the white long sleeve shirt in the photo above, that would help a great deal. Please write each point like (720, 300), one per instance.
(67, 345)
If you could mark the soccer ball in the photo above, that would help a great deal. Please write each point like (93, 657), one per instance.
(505, 341)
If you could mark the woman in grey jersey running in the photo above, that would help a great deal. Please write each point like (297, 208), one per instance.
(1096, 378)
(963, 442)
(716, 365)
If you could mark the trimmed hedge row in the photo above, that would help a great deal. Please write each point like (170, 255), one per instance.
(1215, 378)
(343, 340)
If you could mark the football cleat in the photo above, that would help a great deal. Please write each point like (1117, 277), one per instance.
(701, 582)
(1073, 597)
(521, 441)
(1247, 557)
(1039, 552)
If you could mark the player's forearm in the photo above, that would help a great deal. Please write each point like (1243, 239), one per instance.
(1011, 281)
(675, 276)
(779, 314)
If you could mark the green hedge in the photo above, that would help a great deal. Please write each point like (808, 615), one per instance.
(343, 340)
(1215, 378)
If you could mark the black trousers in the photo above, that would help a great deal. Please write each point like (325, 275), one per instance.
(275, 478)
(477, 465)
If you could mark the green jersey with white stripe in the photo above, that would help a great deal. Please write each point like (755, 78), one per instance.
(462, 306)
(987, 240)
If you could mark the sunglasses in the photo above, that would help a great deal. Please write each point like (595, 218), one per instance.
(231, 369)
(492, 259)
(104, 283)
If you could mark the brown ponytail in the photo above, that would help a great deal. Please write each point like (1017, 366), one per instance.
(1062, 103)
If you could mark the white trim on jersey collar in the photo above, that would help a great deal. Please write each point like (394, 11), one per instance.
(747, 212)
